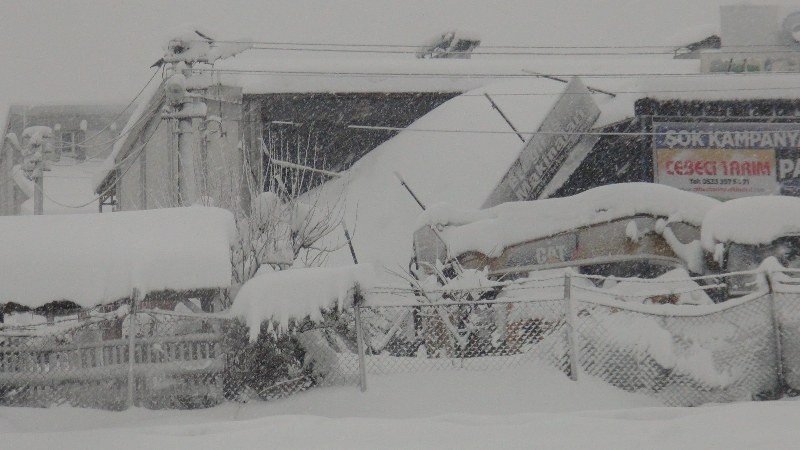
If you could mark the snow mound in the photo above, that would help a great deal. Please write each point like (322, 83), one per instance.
(283, 295)
(491, 230)
(751, 220)
(97, 258)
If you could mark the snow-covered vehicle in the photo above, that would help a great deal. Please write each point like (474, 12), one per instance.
(624, 230)
(739, 235)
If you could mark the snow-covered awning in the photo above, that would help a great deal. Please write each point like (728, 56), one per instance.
(751, 220)
(92, 259)
(491, 230)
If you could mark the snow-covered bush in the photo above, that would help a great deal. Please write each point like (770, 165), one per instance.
(255, 366)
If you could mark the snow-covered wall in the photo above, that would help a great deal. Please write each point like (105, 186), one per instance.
(96, 258)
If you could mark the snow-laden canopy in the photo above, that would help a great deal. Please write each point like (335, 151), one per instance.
(491, 230)
(751, 220)
(297, 293)
(96, 258)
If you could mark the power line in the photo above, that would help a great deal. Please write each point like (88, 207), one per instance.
(134, 157)
(117, 116)
(572, 52)
(356, 74)
(422, 45)
(643, 92)
(145, 115)
(104, 145)
(532, 133)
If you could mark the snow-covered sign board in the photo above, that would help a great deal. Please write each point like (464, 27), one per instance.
(545, 152)
(728, 160)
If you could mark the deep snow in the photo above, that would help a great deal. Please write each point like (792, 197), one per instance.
(531, 407)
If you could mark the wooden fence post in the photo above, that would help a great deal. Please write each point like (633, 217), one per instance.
(132, 346)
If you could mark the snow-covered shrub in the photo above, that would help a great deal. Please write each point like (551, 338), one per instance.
(254, 367)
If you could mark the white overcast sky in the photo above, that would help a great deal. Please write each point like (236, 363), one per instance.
(60, 51)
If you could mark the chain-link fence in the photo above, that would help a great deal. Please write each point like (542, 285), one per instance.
(480, 335)
(682, 354)
(786, 297)
(683, 357)
(747, 347)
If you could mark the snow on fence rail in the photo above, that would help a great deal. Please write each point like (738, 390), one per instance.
(744, 348)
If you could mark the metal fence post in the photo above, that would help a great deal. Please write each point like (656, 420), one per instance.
(362, 369)
(776, 326)
(132, 346)
(571, 320)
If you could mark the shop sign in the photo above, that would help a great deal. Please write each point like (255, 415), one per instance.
(728, 160)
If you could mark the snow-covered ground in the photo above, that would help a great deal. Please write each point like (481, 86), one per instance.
(529, 407)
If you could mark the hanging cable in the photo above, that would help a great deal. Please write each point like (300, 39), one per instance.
(132, 157)
(416, 46)
(358, 74)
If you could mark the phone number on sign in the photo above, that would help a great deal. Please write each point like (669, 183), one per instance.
(720, 181)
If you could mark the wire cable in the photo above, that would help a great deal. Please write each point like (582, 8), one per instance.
(589, 75)
(418, 45)
(134, 157)
(534, 133)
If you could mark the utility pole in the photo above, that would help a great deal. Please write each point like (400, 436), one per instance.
(185, 96)
(184, 107)
(36, 148)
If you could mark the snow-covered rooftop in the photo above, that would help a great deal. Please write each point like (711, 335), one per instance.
(751, 220)
(491, 230)
(262, 73)
(96, 258)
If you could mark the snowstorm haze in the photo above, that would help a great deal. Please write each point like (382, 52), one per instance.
(100, 51)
